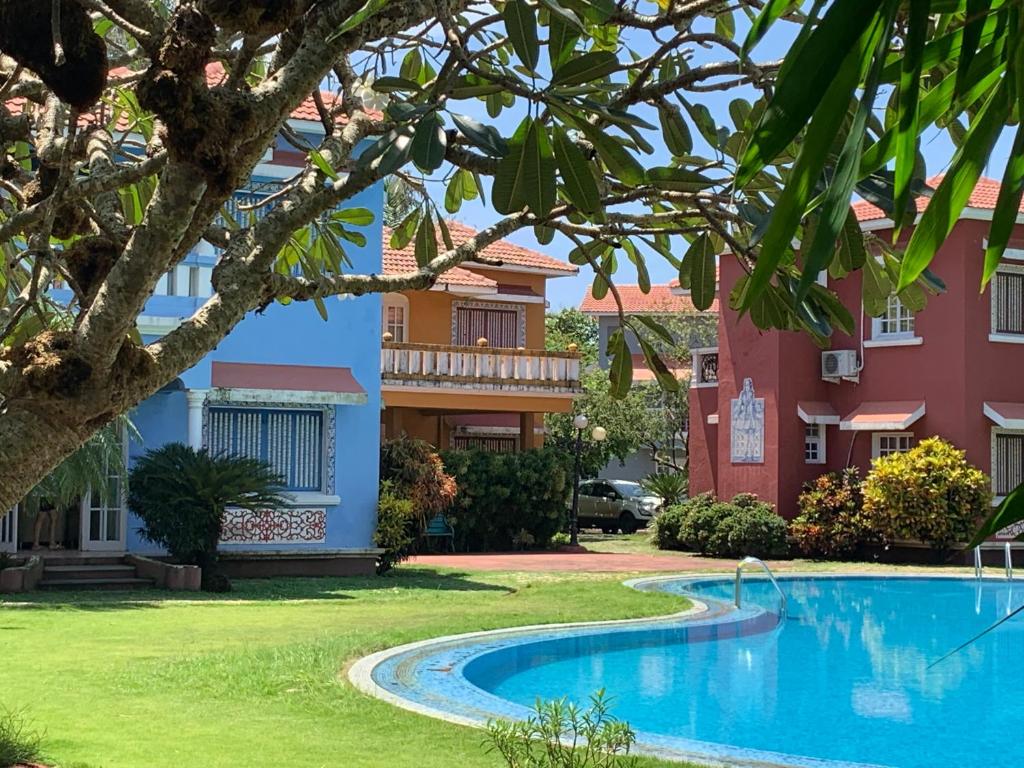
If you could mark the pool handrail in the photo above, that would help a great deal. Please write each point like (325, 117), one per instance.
(750, 560)
(1006, 546)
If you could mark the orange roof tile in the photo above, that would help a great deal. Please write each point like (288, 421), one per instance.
(642, 372)
(509, 254)
(397, 262)
(660, 300)
(984, 196)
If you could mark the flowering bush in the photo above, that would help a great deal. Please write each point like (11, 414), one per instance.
(929, 494)
(830, 523)
(417, 473)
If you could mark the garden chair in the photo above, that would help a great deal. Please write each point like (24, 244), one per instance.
(440, 529)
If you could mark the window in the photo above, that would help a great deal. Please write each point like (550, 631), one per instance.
(1008, 301)
(886, 443)
(489, 443)
(1007, 461)
(814, 443)
(499, 326)
(290, 440)
(705, 367)
(396, 317)
(186, 280)
(896, 323)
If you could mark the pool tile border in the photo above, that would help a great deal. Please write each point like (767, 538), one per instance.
(426, 677)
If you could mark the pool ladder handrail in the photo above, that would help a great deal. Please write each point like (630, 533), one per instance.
(749, 560)
(1008, 547)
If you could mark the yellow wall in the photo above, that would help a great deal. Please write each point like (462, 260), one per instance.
(430, 312)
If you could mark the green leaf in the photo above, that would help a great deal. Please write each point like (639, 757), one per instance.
(909, 108)
(325, 167)
(580, 184)
(769, 14)
(485, 137)
(527, 175)
(586, 68)
(852, 253)
(403, 233)
(790, 207)
(544, 235)
(620, 373)
(521, 27)
(643, 278)
(836, 205)
(429, 143)
(678, 179)
(358, 217)
(662, 374)
(426, 242)
(875, 287)
(954, 191)
(412, 64)
(807, 75)
(656, 328)
(725, 25)
(701, 258)
(976, 13)
(674, 130)
(370, 8)
(619, 161)
(389, 84)
(562, 37)
(1010, 512)
(508, 193)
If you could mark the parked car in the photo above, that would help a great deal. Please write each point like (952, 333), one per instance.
(616, 505)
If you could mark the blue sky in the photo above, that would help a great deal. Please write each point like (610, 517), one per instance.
(936, 147)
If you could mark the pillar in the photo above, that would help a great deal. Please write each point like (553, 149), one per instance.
(196, 401)
(527, 431)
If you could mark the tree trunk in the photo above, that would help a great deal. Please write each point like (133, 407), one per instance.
(32, 447)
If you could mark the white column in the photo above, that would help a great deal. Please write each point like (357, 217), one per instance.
(196, 400)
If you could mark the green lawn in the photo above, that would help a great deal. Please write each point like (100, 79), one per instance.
(255, 678)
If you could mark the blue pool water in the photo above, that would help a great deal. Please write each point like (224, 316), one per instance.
(844, 678)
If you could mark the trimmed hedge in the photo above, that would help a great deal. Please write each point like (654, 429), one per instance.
(508, 500)
(743, 526)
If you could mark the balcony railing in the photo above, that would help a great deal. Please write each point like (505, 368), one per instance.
(487, 368)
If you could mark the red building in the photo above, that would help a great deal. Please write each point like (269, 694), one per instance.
(954, 370)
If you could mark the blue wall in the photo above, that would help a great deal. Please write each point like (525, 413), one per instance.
(296, 335)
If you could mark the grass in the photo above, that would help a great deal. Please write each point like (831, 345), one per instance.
(255, 677)
(19, 742)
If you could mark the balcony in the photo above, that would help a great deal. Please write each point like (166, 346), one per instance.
(480, 369)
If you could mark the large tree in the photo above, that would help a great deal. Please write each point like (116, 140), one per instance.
(107, 196)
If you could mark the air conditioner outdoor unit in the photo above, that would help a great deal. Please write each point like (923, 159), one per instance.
(838, 363)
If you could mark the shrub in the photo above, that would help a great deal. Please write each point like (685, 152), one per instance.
(560, 539)
(672, 528)
(180, 494)
(418, 474)
(503, 495)
(548, 738)
(829, 523)
(743, 526)
(670, 487)
(397, 529)
(929, 494)
(19, 743)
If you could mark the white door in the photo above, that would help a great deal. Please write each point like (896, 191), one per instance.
(9, 531)
(104, 516)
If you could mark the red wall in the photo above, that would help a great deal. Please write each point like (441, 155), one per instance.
(954, 370)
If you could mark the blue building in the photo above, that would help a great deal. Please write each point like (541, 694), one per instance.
(286, 386)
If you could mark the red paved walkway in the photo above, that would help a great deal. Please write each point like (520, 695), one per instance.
(571, 561)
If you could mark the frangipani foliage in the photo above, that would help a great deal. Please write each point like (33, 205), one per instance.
(129, 130)
(863, 85)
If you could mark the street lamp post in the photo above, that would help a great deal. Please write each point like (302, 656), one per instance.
(598, 434)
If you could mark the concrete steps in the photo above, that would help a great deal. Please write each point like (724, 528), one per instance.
(101, 572)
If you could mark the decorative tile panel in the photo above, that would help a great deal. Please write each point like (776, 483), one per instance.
(747, 427)
(307, 525)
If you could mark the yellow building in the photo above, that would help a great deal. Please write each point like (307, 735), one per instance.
(463, 364)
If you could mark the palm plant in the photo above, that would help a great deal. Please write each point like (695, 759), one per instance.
(181, 495)
(670, 487)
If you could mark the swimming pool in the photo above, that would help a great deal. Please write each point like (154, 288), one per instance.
(844, 679)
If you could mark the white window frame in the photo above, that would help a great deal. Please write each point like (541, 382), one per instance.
(993, 335)
(395, 301)
(897, 338)
(996, 431)
(876, 442)
(819, 441)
